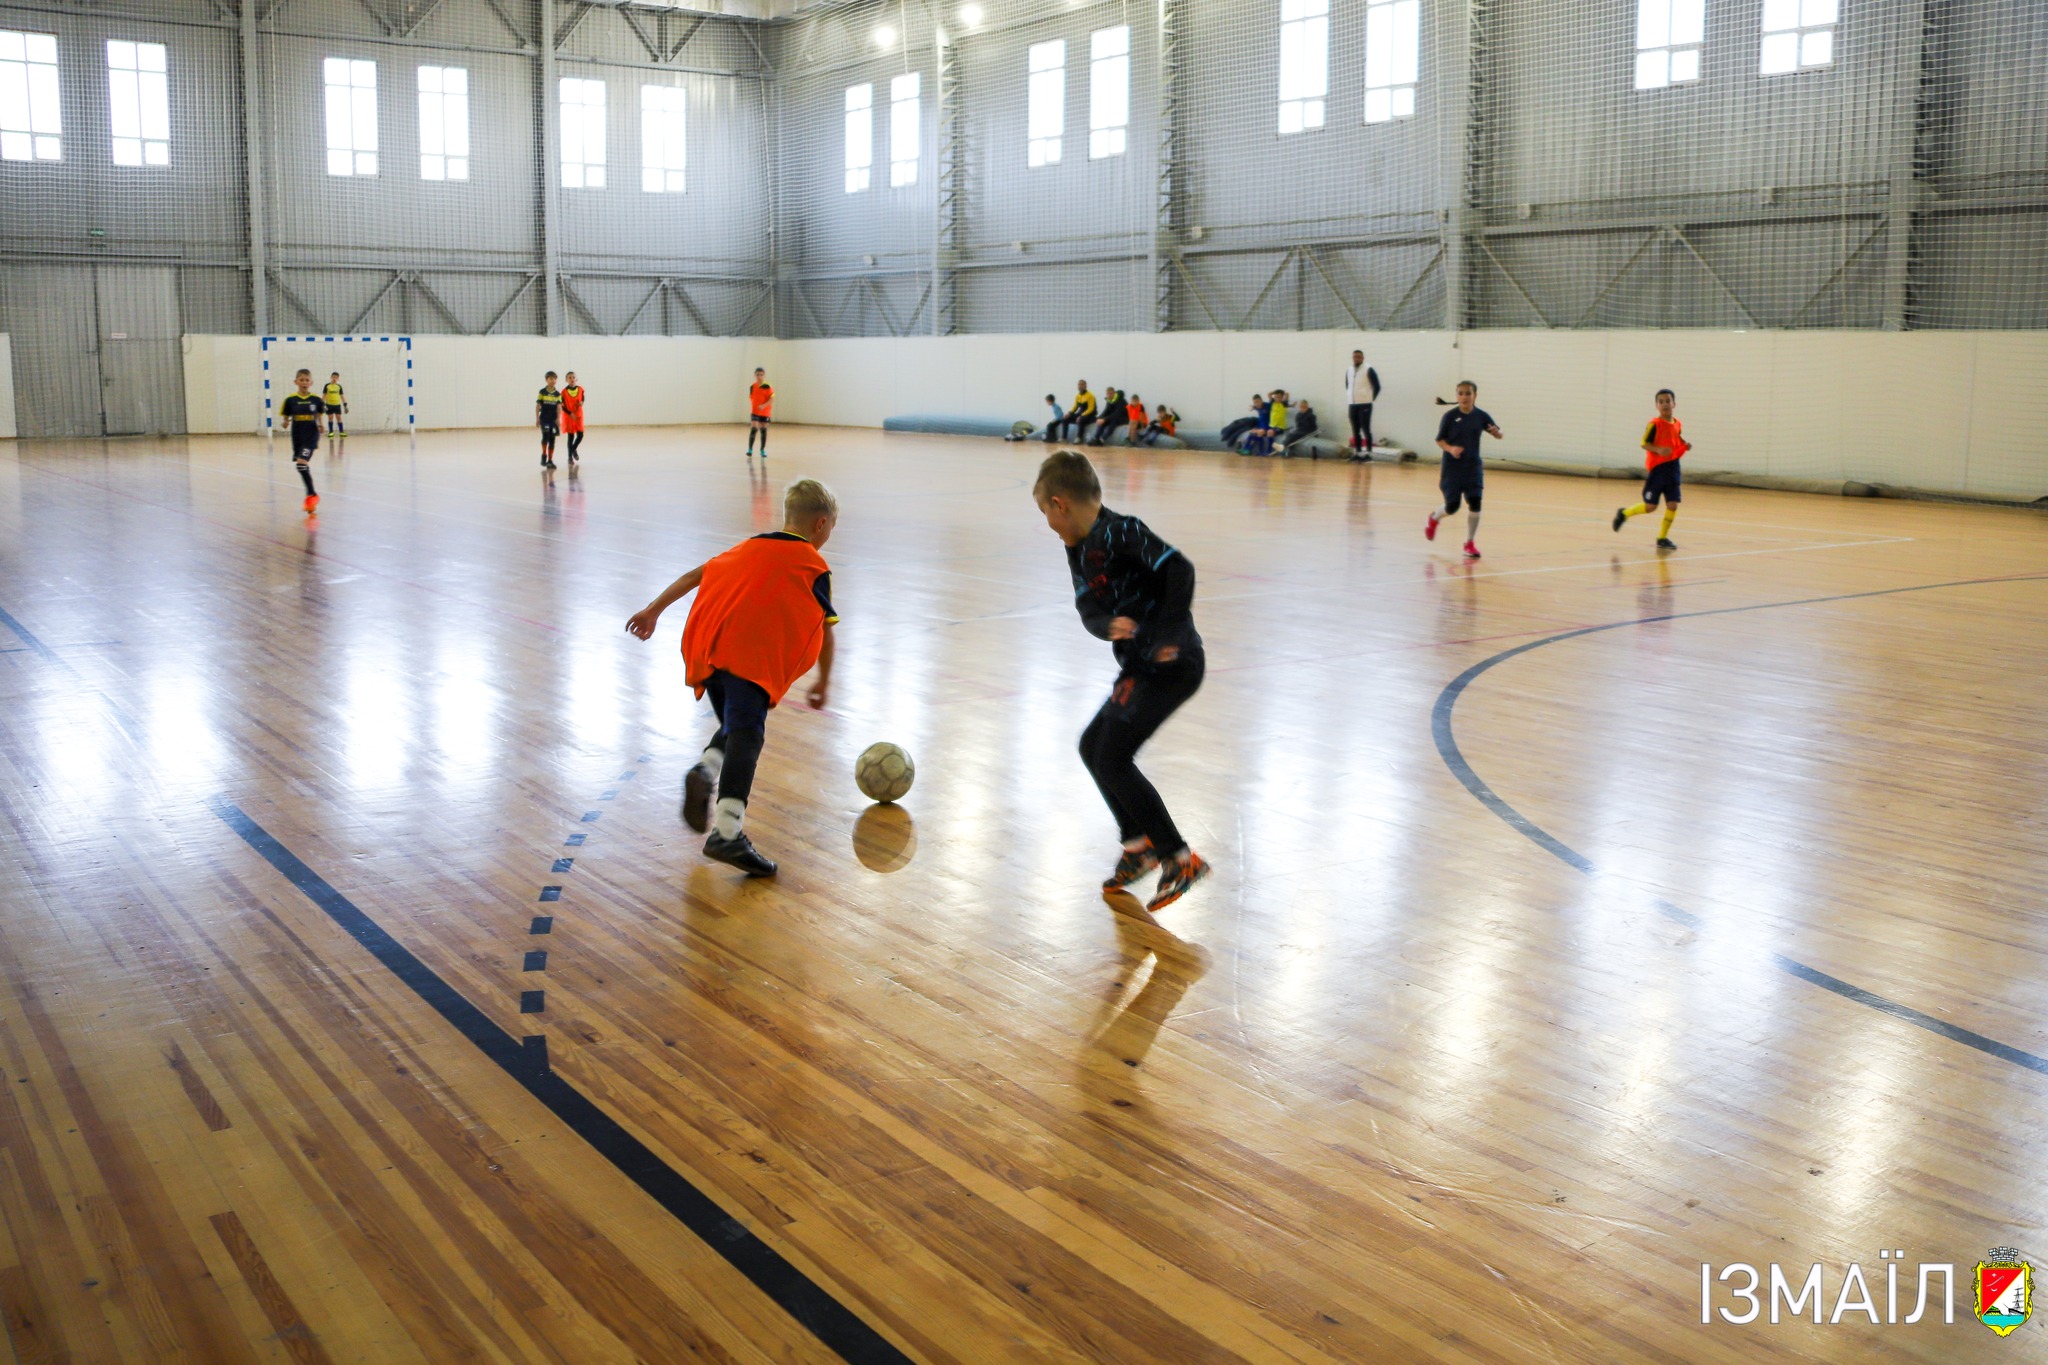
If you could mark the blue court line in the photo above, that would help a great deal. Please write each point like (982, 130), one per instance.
(1441, 718)
(526, 1061)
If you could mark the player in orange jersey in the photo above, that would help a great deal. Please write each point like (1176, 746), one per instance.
(573, 397)
(1663, 444)
(761, 404)
(762, 619)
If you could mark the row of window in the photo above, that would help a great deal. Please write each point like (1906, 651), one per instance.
(1670, 40)
(444, 127)
(32, 116)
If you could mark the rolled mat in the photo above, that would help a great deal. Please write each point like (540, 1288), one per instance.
(941, 424)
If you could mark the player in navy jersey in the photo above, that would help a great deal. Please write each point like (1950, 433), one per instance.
(1138, 592)
(547, 415)
(1464, 473)
(302, 410)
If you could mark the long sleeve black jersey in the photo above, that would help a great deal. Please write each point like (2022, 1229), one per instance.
(1121, 568)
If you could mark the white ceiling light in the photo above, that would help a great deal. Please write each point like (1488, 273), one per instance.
(970, 16)
(885, 37)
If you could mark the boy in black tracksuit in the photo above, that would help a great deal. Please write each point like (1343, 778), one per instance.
(1135, 590)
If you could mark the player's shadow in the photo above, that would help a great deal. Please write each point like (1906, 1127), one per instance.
(885, 838)
(1128, 1023)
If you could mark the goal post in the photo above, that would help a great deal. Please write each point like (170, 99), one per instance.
(376, 376)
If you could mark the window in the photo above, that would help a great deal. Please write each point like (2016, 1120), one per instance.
(31, 124)
(1798, 35)
(1109, 90)
(1045, 114)
(1304, 63)
(351, 117)
(661, 138)
(1393, 55)
(1668, 38)
(139, 103)
(860, 136)
(582, 134)
(904, 109)
(444, 123)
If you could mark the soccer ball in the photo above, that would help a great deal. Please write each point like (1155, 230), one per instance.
(884, 772)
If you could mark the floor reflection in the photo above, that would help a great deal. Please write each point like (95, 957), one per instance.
(1129, 1023)
(885, 838)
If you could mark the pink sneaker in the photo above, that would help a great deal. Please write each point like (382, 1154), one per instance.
(1471, 550)
(1429, 529)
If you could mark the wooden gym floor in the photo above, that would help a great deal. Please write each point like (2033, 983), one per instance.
(1580, 916)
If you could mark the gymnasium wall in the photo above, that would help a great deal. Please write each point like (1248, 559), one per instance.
(1945, 411)
(490, 381)
(1902, 187)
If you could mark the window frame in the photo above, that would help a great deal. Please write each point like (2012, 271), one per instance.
(858, 102)
(1805, 31)
(1109, 81)
(42, 91)
(1391, 96)
(592, 121)
(1304, 34)
(1047, 83)
(445, 164)
(148, 150)
(357, 117)
(1670, 46)
(664, 138)
(906, 128)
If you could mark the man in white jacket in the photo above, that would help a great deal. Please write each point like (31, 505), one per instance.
(1361, 387)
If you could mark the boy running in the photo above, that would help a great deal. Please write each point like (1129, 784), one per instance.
(1464, 474)
(760, 621)
(572, 414)
(337, 404)
(1138, 592)
(547, 415)
(761, 404)
(1663, 444)
(303, 409)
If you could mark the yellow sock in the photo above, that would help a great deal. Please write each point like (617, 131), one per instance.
(1635, 511)
(1670, 515)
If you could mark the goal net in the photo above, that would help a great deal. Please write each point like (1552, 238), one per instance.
(376, 377)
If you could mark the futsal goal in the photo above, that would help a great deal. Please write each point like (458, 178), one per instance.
(376, 377)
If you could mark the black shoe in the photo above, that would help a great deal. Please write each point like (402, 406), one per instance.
(1620, 517)
(697, 786)
(739, 852)
(1667, 544)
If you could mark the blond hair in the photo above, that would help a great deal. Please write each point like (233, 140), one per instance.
(805, 499)
(1068, 474)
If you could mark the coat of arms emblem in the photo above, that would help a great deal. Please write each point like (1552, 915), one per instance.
(2005, 1290)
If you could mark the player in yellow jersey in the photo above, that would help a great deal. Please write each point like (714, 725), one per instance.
(337, 404)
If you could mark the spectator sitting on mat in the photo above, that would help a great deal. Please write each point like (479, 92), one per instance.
(1116, 414)
(1135, 407)
(1300, 428)
(1162, 424)
(1271, 427)
(1238, 430)
(1052, 423)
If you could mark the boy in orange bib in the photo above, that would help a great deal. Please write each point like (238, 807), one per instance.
(761, 620)
(760, 410)
(1664, 444)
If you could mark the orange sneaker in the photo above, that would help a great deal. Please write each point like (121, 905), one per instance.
(312, 501)
(1177, 877)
